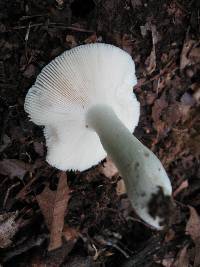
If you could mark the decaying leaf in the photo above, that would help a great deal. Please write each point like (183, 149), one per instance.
(187, 46)
(91, 39)
(70, 40)
(167, 262)
(14, 168)
(46, 202)
(181, 187)
(151, 60)
(195, 55)
(8, 228)
(193, 229)
(60, 205)
(170, 235)
(193, 225)
(182, 258)
(127, 43)
(53, 206)
(120, 189)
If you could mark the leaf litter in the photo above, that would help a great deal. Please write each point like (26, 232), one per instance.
(71, 215)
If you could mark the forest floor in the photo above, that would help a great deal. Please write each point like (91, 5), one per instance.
(98, 226)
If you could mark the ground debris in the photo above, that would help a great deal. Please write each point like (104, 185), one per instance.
(182, 258)
(193, 229)
(14, 168)
(8, 228)
(193, 225)
(151, 60)
(187, 47)
(53, 206)
(163, 39)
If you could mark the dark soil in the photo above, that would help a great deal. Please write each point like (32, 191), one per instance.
(163, 38)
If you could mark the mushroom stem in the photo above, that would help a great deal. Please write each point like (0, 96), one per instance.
(147, 184)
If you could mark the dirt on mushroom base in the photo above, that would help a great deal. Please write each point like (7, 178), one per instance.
(163, 39)
(162, 206)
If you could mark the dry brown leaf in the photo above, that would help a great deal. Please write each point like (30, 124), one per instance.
(91, 39)
(182, 258)
(109, 169)
(120, 189)
(60, 206)
(53, 205)
(167, 262)
(8, 228)
(158, 108)
(70, 40)
(196, 95)
(14, 168)
(46, 202)
(187, 46)
(127, 43)
(181, 187)
(170, 235)
(197, 255)
(195, 55)
(193, 225)
(193, 229)
(26, 189)
(151, 60)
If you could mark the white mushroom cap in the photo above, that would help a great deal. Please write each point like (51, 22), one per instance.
(70, 85)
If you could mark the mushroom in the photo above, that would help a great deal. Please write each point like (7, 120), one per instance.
(85, 101)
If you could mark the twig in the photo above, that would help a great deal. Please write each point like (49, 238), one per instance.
(53, 25)
(8, 193)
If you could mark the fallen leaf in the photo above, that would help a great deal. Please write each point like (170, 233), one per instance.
(193, 229)
(184, 60)
(70, 40)
(167, 262)
(151, 60)
(181, 187)
(196, 95)
(46, 202)
(182, 258)
(14, 168)
(150, 98)
(60, 206)
(91, 39)
(53, 205)
(120, 189)
(127, 43)
(158, 107)
(170, 235)
(30, 71)
(194, 54)
(8, 228)
(193, 225)
(197, 255)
